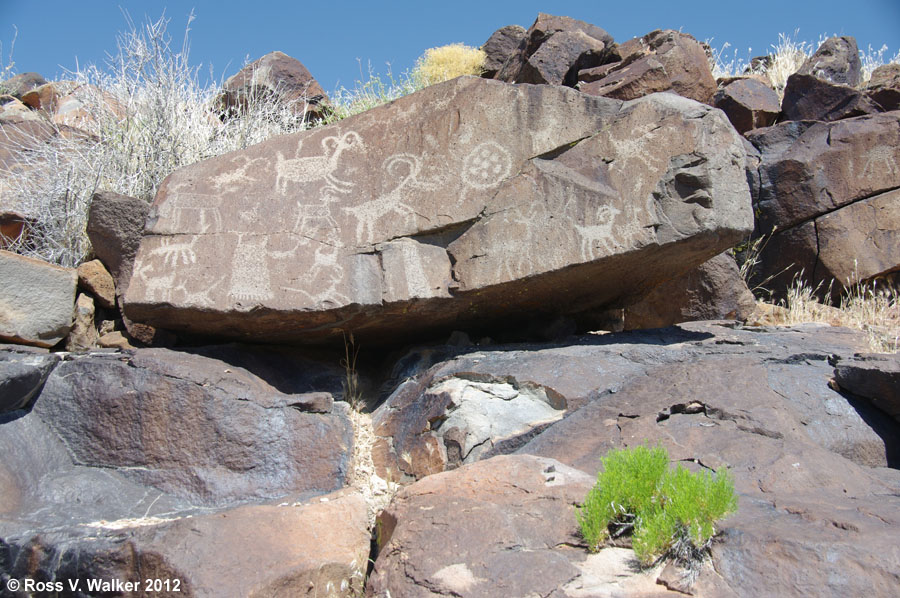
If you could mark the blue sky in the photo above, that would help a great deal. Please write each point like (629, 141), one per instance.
(333, 38)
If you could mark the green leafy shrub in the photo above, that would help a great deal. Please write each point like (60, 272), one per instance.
(448, 62)
(669, 513)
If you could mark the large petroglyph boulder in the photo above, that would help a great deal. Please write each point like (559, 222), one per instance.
(454, 206)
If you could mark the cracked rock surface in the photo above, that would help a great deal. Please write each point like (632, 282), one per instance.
(159, 463)
(457, 205)
(828, 193)
(815, 469)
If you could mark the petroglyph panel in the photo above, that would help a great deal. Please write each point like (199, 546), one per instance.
(808, 172)
(414, 270)
(377, 220)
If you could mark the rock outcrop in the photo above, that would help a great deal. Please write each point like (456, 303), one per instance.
(425, 426)
(36, 300)
(554, 49)
(809, 464)
(449, 207)
(275, 76)
(659, 61)
(827, 201)
(128, 463)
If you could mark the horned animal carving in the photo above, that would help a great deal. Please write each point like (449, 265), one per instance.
(313, 168)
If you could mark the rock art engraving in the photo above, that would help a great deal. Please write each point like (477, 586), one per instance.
(486, 165)
(195, 212)
(879, 159)
(250, 278)
(405, 168)
(599, 233)
(328, 272)
(173, 251)
(249, 270)
(231, 180)
(314, 168)
(158, 285)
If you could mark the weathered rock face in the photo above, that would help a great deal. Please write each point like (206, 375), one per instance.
(413, 426)
(807, 517)
(95, 279)
(83, 334)
(836, 60)
(829, 188)
(875, 377)
(36, 300)
(451, 206)
(712, 291)
(748, 103)
(659, 61)
(502, 44)
(191, 426)
(22, 373)
(517, 536)
(807, 97)
(115, 224)
(298, 549)
(133, 463)
(275, 75)
(554, 49)
(884, 86)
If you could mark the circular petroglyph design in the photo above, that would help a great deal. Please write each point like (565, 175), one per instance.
(486, 165)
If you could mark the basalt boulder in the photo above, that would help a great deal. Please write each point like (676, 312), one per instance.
(499, 47)
(836, 60)
(662, 60)
(194, 428)
(494, 400)
(452, 207)
(554, 49)
(274, 77)
(827, 201)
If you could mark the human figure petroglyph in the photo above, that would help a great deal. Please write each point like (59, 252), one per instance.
(314, 168)
(406, 168)
(250, 278)
(486, 165)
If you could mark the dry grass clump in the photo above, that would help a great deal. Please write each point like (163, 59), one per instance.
(785, 58)
(874, 310)
(141, 117)
(368, 94)
(434, 66)
(448, 62)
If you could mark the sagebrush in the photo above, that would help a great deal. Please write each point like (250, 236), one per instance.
(141, 117)
(448, 62)
(667, 513)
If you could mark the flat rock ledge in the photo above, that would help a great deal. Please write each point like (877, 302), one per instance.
(454, 206)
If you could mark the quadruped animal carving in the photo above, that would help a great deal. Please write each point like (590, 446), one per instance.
(314, 168)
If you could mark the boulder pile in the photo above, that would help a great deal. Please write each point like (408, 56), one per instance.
(266, 384)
